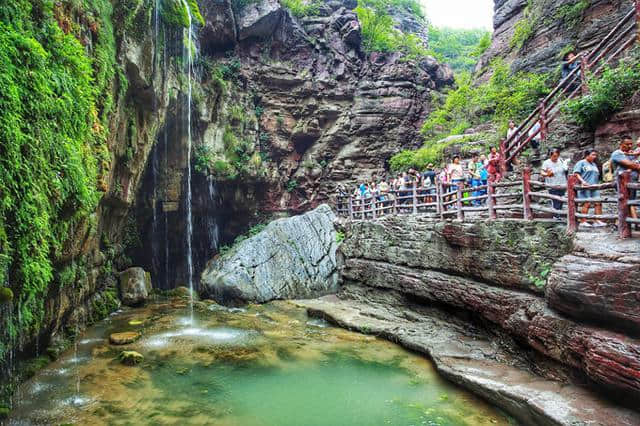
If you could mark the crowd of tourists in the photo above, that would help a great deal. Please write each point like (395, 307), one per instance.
(473, 174)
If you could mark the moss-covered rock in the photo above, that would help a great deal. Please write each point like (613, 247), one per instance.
(130, 357)
(6, 295)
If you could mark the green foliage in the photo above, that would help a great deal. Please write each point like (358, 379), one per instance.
(607, 94)
(202, 158)
(302, 8)
(458, 48)
(525, 27)
(432, 152)
(55, 102)
(176, 12)
(339, 237)
(291, 185)
(378, 32)
(504, 97)
(571, 14)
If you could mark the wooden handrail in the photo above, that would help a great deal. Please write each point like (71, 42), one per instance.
(455, 203)
(546, 110)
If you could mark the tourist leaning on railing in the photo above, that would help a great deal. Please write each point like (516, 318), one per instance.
(554, 171)
(624, 159)
(588, 173)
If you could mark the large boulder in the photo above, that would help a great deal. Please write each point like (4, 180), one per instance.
(259, 19)
(135, 285)
(291, 258)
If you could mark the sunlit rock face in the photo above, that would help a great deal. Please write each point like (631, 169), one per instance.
(292, 257)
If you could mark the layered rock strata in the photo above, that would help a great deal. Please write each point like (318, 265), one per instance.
(292, 257)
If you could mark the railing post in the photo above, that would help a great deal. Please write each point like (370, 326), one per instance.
(543, 121)
(395, 202)
(638, 19)
(350, 207)
(363, 207)
(459, 201)
(624, 228)
(526, 198)
(439, 206)
(503, 154)
(374, 206)
(491, 201)
(415, 199)
(572, 223)
(583, 75)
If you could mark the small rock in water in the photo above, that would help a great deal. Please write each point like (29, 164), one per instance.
(130, 357)
(124, 338)
(135, 322)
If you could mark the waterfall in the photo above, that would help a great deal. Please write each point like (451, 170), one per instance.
(189, 65)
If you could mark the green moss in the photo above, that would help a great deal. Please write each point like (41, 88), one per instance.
(56, 99)
(6, 295)
(571, 14)
(176, 12)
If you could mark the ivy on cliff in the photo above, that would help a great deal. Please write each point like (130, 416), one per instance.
(55, 101)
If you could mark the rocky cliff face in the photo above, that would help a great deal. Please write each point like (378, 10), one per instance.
(580, 331)
(285, 110)
(533, 35)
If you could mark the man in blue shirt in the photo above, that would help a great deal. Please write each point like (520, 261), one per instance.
(589, 174)
(623, 159)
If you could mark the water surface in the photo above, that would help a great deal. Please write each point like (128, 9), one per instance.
(266, 365)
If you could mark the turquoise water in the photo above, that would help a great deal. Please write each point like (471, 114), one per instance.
(267, 366)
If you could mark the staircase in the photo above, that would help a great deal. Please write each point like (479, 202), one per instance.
(619, 39)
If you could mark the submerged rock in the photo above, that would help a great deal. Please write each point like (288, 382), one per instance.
(135, 285)
(124, 338)
(291, 257)
(130, 357)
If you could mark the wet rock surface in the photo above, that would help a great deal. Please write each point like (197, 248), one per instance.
(135, 285)
(124, 338)
(291, 257)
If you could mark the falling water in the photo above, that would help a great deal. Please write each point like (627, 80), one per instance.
(154, 159)
(213, 229)
(189, 52)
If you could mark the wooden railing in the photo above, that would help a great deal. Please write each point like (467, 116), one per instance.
(621, 37)
(519, 199)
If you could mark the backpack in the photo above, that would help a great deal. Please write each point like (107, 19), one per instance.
(607, 171)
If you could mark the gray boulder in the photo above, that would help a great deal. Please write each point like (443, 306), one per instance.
(259, 19)
(291, 258)
(135, 285)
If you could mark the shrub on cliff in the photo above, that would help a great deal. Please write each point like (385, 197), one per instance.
(378, 28)
(460, 49)
(607, 94)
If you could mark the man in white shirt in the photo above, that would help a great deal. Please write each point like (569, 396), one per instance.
(554, 171)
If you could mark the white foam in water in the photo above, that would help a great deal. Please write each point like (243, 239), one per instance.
(223, 335)
(38, 387)
(77, 401)
(318, 322)
(92, 340)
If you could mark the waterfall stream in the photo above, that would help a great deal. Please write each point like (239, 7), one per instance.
(189, 49)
